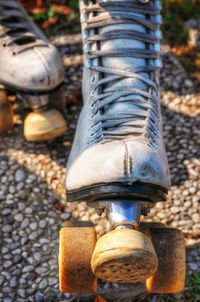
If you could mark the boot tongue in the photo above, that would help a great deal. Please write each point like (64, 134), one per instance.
(126, 63)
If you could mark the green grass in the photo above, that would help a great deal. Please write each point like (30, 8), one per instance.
(175, 13)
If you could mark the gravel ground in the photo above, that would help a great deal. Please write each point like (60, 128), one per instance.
(32, 193)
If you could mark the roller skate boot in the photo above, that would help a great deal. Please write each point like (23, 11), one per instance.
(118, 160)
(31, 68)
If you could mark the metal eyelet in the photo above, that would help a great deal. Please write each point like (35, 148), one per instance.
(93, 79)
(92, 93)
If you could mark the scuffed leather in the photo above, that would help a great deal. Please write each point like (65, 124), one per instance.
(127, 160)
(37, 68)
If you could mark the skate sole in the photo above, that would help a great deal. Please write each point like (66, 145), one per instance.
(138, 190)
(21, 90)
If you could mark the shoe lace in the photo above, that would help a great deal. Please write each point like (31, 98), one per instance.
(142, 120)
(16, 30)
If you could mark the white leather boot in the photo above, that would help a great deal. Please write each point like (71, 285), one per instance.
(30, 66)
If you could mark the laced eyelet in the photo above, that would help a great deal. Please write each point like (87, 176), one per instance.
(92, 93)
(93, 79)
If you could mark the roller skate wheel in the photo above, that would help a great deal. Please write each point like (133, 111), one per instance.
(44, 125)
(170, 249)
(6, 113)
(124, 256)
(77, 242)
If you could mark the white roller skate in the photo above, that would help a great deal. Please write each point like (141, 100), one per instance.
(32, 68)
(118, 161)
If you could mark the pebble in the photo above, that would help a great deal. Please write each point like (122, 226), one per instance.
(28, 268)
(20, 175)
(175, 210)
(43, 284)
(33, 226)
(19, 217)
(25, 223)
(22, 292)
(41, 270)
(7, 228)
(37, 256)
(39, 297)
(33, 236)
(196, 218)
(13, 282)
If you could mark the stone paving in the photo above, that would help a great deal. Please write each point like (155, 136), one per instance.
(32, 194)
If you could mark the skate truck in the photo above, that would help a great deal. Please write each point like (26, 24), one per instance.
(118, 161)
(31, 68)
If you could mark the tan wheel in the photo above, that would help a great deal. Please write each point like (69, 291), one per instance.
(77, 242)
(6, 113)
(170, 249)
(124, 256)
(44, 125)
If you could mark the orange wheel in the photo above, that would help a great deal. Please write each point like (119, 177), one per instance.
(77, 242)
(170, 249)
(6, 113)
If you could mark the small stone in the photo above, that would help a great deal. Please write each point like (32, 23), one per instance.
(22, 292)
(188, 83)
(33, 236)
(30, 260)
(28, 268)
(6, 290)
(37, 256)
(23, 194)
(42, 224)
(24, 240)
(39, 297)
(175, 210)
(41, 270)
(21, 206)
(65, 216)
(6, 211)
(7, 228)
(193, 266)
(12, 189)
(43, 284)
(28, 210)
(196, 218)
(33, 226)
(20, 175)
(19, 217)
(25, 223)
(7, 264)
(52, 281)
(13, 282)
(7, 300)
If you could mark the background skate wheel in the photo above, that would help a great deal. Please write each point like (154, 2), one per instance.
(6, 113)
(44, 125)
(170, 249)
(124, 256)
(77, 242)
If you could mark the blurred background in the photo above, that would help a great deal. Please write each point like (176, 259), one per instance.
(181, 25)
